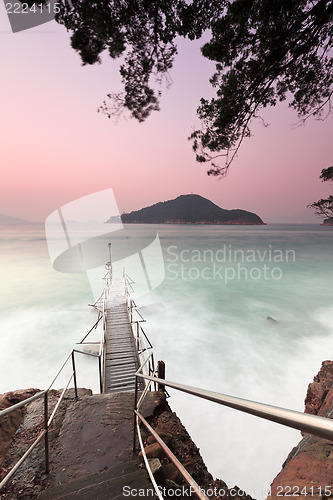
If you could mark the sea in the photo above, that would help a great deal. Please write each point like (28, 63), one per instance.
(241, 310)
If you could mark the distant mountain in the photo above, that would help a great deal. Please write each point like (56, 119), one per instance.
(7, 220)
(188, 209)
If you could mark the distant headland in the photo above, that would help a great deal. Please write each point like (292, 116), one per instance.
(7, 220)
(328, 222)
(188, 209)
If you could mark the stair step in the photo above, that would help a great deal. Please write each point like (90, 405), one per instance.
(105, 485)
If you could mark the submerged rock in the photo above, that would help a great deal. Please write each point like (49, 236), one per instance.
(269, 318)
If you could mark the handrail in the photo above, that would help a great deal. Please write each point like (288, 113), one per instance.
(21, 404)
(91, 329)
(137, 415)
(188, 478)
(60, 399)
(311, 424)
(47, 421)
(59, 371)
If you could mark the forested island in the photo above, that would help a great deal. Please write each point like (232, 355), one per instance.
(188, 209)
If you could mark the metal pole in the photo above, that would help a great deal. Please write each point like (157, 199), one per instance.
(110, 271)
(152, 369)
(100, 375)
(161, 374)
(75, 383)
(137, 335)
(46, 437)
(135, 408)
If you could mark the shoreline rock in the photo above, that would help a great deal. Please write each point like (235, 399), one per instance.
(309, 466)
(79, 445)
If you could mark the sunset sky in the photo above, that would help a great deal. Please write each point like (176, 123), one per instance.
(55, 147)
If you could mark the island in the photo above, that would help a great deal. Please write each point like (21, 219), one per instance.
(188, 209)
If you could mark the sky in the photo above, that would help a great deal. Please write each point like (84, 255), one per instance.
(56, 148)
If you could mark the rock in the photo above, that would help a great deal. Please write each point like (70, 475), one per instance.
(164, 434)
(157, 470)
(172, 473)
(269, 318)
(153, 450)
(154, 403)
(309, 466)
(10, 422)
(319, 389)
(13, 397)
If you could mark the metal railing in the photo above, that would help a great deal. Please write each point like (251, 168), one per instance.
(138, 417)
(142, 342)
(47, 420)
(100, 306)
(311, 424)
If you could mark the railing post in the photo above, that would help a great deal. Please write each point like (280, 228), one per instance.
(137, 335)
(46, 438)
(135, 407)
(74, 370)
(100, 375)
(152, 369)
(161, 374)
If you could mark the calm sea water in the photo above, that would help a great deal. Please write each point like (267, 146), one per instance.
(206, 316)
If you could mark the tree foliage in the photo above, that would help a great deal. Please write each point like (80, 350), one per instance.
(265, 51)
(324, 207)
(143, 32)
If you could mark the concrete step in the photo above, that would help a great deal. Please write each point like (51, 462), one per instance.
(104, 485)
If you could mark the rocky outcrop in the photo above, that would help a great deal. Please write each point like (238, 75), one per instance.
(308, 469)
(26, 425)
(91, 452)
(169, 427)
(319, 398)
(328, 222)
(10, 423)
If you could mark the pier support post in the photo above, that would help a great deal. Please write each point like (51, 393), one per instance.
(161, 374)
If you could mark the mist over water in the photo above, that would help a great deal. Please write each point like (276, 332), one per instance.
(207, 321)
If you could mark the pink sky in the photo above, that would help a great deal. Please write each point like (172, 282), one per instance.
(55, 147)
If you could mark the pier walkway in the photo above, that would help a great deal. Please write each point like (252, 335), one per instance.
(121, 359)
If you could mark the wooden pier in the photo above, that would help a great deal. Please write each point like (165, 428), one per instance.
(121, 353)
